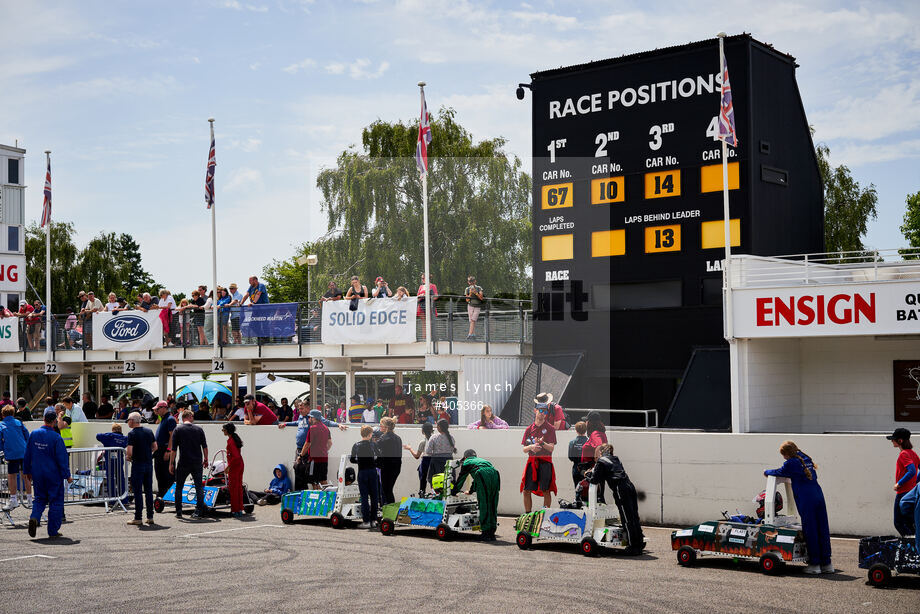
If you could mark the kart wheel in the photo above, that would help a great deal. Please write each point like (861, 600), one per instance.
(337, 521)
(879, 575)
(287, 516)
(524, 540)
(250, 508)
(589, 547)
(443, 532)
(386, 527)
(771, 564)
(686, 556)
(158, 505)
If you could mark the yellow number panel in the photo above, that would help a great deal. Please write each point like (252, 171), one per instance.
(608, 243)
(663, 184)
(557, 247)
(607, 190)
(711, 177)
(713, 233)
(662, 239)
(557, 196)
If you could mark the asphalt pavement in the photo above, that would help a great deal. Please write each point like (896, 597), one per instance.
(257, 563)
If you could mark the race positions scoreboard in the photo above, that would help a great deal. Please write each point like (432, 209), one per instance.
(628, 207)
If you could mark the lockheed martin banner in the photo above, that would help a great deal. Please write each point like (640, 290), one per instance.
(890, 308)
(127, 331)
(269, 320)
(380, 320)
(9, 334)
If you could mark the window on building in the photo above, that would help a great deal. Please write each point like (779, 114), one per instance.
(13, 244)
(12, 175)
(638, 295)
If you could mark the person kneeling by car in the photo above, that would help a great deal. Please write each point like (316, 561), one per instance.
(486, 484)
(609, 469)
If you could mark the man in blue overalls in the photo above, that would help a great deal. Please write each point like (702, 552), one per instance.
(46, 462)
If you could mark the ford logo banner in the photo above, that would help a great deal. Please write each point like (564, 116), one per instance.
(124, 329)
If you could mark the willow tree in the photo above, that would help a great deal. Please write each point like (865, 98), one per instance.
(478, 212)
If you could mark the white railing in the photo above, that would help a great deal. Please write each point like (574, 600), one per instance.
(825, 268)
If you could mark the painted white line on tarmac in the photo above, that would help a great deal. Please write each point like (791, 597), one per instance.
(28, 556)
(276, 526)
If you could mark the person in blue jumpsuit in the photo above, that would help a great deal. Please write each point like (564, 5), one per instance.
(809, 498)
(46, 462)
(114, 475)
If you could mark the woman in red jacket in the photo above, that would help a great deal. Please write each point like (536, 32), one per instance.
(234, 469)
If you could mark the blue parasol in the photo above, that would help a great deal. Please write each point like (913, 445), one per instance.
(204, 389)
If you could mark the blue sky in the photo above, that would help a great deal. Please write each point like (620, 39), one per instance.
(121, 93)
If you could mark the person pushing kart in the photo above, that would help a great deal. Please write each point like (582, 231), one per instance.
(609, 469)
(486, 484)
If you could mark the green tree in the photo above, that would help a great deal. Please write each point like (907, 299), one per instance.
(136, 279)
(911, 226)
(478, 212)
(65, 285)
(848, 207)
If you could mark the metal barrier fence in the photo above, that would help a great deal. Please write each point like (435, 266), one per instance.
(500, 321)
(99, 476)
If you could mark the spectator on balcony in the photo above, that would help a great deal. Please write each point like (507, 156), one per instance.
(204, 411)
(381, 289)
(356, 291)
(223, 313)
(196, 309)
(91, 306)
(425, 412)
(167, 306)
(401, 407)
(258, 413)
(72, 335)
(474, 300)
(35, 322)
(236, 299)
(112, 305)
(332, 294)
(488, 420)
(401, 293)
(256, 293)
(184, 327)
(123, 409)
(209, 313)
(25, 310)
(432, 291)
(356, 409)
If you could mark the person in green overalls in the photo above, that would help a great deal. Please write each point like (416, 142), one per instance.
(486, 484)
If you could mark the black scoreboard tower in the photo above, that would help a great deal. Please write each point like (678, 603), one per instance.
(628, 218)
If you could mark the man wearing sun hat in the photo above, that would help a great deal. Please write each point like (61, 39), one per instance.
(556, 413)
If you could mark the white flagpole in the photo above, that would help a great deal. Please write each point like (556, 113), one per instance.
(48, 273)
(214, 256)
(726, 222)
(421, 85)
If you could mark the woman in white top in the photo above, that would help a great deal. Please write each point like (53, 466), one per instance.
(112, 305)
(168, 304)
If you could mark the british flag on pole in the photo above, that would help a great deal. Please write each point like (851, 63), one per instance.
(46, 207)
(209, 179)
(727, 111)
(424, 139)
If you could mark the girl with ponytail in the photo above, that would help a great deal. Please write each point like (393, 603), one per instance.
(809, 498)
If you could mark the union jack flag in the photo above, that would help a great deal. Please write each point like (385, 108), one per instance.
(424, 139)
(727, 131)
(46, 207)
(209, 179)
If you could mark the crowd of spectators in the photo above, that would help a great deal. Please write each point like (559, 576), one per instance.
(189, 321)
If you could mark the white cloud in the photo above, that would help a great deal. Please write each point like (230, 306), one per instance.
(238, 6)
(27, 67)
(560, 22)
(890, 110)
(244, 180)
(362, 68)
(854, 155)
(111, 87)
(255, 65)
(293, 69)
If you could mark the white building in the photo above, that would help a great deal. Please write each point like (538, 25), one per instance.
(12, 229)
(823, 346)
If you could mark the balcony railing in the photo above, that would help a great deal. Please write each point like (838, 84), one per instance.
(825, 268)
(500, 321)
